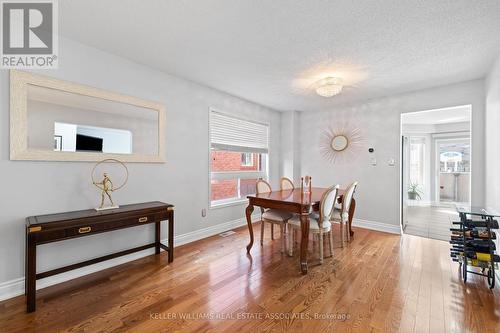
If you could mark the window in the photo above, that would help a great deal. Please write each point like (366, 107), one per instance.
(238, 157)
(417, 151)
(246, 159)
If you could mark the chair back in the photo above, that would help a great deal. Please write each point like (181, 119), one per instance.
(286, 184)
(327, 203)
(262, 186)
(346, 201)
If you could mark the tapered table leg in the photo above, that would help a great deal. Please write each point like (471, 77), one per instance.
(304, 243)
(30, 278)
(171, 237)
(157, 237)
(249, 212)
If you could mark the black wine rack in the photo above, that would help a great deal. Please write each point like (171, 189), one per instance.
(472, 243)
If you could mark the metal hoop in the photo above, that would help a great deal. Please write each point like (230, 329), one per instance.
(114, 160)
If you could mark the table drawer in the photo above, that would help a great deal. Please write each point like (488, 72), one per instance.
(91, 228)
(96, 227)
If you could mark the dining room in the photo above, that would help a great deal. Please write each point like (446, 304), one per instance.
(239, 166)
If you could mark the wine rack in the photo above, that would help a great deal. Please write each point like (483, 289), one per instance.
(473, 243)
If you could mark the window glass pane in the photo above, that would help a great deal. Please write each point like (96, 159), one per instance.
(234, 174)
(229, 190)
(417, 147)
(235, 161)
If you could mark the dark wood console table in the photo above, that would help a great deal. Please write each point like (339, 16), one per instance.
(57, 227)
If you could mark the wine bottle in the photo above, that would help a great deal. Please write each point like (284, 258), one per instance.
(493, 224)
(477, 255)
(475, 233)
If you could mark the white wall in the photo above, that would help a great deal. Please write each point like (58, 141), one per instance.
(492, 133)
(493, 137)
(32, 188)
(290, 152)
(378, 194)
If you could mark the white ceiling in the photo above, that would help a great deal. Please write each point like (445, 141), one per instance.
(271, 52)
(439, 116)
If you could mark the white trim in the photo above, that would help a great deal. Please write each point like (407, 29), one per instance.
(378, 226)
(240, 202)
(15, 287)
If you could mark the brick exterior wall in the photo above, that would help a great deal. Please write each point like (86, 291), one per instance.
(231, 161)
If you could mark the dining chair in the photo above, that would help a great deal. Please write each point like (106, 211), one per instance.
(272, 216)
(342, 215)
(286, 184)
(318, 224)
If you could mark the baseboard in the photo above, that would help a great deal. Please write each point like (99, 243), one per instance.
(378, 226)
(15, 287)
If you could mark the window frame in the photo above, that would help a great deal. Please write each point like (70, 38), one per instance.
(249, 164)
(265, 172)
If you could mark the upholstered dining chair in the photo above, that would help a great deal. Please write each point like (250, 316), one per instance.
(272, 216)
(286, 184)
(319, 224)
(342, 215)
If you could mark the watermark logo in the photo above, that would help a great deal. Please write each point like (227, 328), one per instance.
(29, 34)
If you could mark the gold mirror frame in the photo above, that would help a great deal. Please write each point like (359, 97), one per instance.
(19, 150)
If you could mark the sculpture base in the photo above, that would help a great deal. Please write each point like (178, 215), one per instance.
(106, 208)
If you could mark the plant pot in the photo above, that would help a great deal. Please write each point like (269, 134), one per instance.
(412, 195)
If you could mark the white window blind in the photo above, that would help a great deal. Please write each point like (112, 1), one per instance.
(233, 134)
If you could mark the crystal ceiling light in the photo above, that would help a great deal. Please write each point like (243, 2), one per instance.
(329, 86)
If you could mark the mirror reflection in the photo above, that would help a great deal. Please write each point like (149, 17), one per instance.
(70, 122)
(339, 143)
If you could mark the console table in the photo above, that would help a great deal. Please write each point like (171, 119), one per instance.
(57, 227)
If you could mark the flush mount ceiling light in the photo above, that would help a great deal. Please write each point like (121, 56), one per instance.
(329, 86)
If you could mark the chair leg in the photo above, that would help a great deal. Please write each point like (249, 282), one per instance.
(321, 247)
(347, 232)
(330, 241)
(262, 225)
(282, 231)
(272, 231)
(342, 233)
(290, 242)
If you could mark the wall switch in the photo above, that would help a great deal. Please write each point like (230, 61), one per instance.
(203, 212)
(391, 162)
(373, 161)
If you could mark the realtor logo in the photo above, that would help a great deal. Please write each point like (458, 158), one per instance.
(29, 34)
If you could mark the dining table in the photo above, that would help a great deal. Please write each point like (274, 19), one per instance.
(297, 201)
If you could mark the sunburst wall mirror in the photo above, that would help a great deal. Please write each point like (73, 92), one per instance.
(341, 143)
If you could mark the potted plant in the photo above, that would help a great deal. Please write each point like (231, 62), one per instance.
(414, 192)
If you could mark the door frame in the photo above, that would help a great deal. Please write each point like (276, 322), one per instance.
(401, 175)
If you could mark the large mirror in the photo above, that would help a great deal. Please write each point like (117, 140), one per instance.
(62, 121)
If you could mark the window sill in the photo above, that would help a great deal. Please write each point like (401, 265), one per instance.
(229, 204)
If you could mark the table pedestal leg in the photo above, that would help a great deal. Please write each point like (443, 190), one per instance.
(304, 242)
(249, 212)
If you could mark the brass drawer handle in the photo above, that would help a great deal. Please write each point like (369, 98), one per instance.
(143, 219)
(84, 230)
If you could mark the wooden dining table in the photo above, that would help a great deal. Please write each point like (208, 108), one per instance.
(293, 201)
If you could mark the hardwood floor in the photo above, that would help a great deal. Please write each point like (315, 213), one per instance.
(430, 221)
(379, 282)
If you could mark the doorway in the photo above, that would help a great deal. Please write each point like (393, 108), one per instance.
(435, 169)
